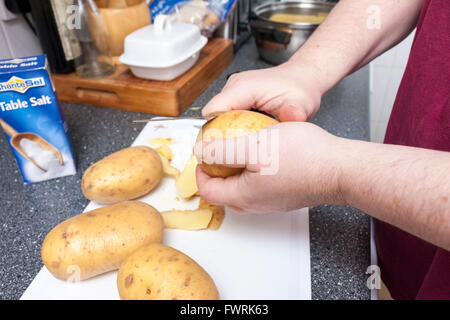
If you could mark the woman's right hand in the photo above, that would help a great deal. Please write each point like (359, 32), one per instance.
(288, 92)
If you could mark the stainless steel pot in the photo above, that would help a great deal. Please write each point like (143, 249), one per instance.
(278, 41)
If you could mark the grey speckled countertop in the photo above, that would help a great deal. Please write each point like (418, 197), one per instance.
(339, 235)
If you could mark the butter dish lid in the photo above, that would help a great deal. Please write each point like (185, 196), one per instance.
(162, 44)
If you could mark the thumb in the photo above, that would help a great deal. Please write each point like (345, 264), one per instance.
(218, 191)
(229, 99)
(292, 113)
(234, 152)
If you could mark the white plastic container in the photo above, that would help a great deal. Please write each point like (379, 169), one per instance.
(164, 50)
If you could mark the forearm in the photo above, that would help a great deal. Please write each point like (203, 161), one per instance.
(406, 187)
(345, 42)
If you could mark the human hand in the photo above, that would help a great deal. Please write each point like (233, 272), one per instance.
(288, 92)
(300, 170)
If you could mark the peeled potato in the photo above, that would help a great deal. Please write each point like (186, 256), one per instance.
(231, 124)
(159, 272)
(124, 175)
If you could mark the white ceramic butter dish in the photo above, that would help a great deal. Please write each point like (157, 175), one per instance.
(164, 50)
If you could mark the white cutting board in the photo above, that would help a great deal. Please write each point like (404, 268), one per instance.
(249, 257)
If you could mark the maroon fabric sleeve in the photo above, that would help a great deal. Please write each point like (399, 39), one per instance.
(410, 267)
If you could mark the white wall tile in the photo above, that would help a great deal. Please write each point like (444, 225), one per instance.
(386, 74)
(386, 59)
(386, 82)
(380, 78)
(403, 49)
(395, 77)
(373, 130)
(379, 131)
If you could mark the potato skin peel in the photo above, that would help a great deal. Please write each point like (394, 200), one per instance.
(186, 182)
(98, 241)
(218, 214)
(124, 175)
(159, 272)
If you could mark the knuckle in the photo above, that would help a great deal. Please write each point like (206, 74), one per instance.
(233, 78)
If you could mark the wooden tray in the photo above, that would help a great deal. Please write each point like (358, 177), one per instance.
(122, 90)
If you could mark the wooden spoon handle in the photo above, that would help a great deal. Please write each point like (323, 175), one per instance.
(8, 129)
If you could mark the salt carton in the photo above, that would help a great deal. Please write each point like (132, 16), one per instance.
(32, 119)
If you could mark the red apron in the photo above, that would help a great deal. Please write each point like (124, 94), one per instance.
(410, 267)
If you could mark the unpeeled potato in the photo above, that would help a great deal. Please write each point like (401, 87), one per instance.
(159, 272)
(124, 175)
(231, 124)
(98, 241)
